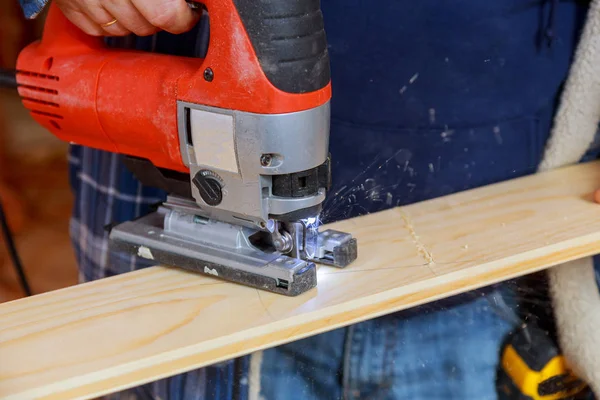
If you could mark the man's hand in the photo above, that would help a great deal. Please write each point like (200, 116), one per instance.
(123, 17)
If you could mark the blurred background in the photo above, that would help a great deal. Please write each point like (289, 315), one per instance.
(34, 186)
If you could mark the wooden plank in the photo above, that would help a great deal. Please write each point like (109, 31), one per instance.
(107, 335)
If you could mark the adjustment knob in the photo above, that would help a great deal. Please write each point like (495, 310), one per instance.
(209, 189)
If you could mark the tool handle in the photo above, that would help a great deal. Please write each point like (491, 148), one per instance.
(287, 38)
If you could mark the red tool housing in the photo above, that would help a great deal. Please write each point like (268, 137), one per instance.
(267, 57)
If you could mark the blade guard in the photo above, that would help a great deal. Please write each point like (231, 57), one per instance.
(266, 57)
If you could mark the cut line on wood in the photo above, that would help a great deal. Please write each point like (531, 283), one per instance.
(415, 238)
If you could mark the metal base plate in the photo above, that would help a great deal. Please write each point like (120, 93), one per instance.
(270, 271)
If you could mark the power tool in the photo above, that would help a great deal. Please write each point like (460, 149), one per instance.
(239, 138)
(532, 368)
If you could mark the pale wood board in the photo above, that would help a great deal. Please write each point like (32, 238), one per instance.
(119, 332)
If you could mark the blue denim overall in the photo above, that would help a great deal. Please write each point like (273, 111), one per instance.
(430, 97)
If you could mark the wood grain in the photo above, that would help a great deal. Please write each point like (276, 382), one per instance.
(119, 332)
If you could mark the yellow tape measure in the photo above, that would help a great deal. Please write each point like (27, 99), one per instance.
(532, 368)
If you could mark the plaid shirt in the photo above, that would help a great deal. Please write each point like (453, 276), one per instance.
(32, 8)
(106, 192)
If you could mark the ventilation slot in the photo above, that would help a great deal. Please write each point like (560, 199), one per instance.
(46, 114)
(43, 102)
(39, 89)
(38, 75)
(49, 115)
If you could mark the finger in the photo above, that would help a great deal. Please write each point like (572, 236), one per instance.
(597, 196)
(129, 17)
(102, 17)
(115, 29)
(84, 22)
(173, 16)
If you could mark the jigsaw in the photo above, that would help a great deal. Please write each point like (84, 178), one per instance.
(239, 138)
